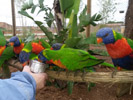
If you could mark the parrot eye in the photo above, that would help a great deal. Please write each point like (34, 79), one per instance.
(106, 35)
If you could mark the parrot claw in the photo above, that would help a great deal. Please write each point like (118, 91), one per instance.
(113, 73)
(118, 68)
(67, 73)
(131, 87)
(76, 73)
(83, 75)
(58, 72)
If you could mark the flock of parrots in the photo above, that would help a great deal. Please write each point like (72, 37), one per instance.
(119, 48)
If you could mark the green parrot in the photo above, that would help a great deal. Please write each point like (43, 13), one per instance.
(2, 43)
(7, 54)
(2, 39)
(70, 59)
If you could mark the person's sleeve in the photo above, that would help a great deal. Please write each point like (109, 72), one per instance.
(21, 86)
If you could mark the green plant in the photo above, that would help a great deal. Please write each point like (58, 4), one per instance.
(70, 31)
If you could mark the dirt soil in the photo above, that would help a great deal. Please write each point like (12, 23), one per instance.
(101, 91)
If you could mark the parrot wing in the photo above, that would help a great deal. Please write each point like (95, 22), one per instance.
(2, 39)
(119, 36)
(44, 43)
(33, 56)
(28, 47)
(7, 54)
(72, 59)
(130, 42)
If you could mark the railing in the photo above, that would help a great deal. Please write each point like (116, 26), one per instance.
(120, 77)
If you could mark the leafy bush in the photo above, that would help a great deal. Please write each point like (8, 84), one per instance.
(70, 31)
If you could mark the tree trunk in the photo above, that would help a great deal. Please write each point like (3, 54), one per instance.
(88, 12)
(13, 17)
(57, 11)
(129, 21)
(125, 88)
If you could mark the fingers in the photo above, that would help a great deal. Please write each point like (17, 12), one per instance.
(40, 78)
(26, 69)
(45, 77)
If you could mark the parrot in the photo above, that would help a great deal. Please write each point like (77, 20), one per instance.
(41, 58)
(70, 59)
(2, 43)
(57, 46)
(6, 52)
(17, 44)
(32, 49)
(119, 48)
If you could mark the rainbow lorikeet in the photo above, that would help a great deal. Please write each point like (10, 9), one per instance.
(17, 44)
(2, 43)
(5, 52)
(32, 49)
(43, 59)
(119, 48)
(57, 46)
(70, 59)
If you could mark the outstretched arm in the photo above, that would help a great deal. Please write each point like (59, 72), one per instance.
(21, 85)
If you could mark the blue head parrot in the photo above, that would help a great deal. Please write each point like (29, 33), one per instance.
(119, 48)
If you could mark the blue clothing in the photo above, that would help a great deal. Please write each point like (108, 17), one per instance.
(21, 86)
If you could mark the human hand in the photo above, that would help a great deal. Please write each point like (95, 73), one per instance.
(40, 78)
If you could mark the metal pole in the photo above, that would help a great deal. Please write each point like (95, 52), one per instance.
(89, 12)
(13, 18)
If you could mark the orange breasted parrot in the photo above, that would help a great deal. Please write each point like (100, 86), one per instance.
(32, 49)
(119, 48)
(17, 44)
(5, 52)
(71, 59)
(2, 43)
(6, 55)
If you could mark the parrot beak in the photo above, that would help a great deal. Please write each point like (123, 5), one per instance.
(99, 40)
(25, 63)
(11, 43)
(39, 60)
